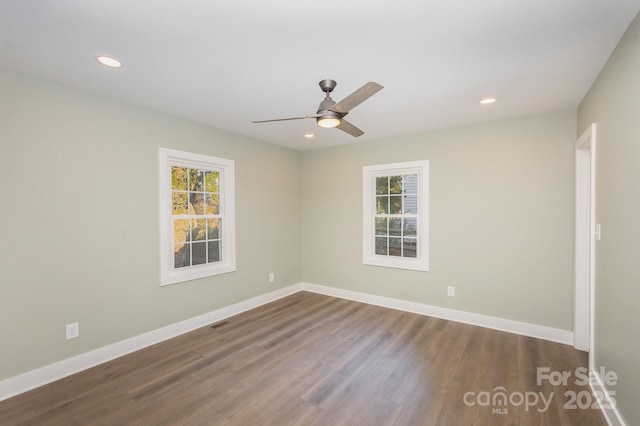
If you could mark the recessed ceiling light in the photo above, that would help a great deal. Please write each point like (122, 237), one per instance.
(309, 135)
(488, 101)
(109, 61)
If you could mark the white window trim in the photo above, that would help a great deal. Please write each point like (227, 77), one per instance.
(369, 173)
(167, 158)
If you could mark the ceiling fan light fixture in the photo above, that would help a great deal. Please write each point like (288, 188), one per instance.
(328, 121)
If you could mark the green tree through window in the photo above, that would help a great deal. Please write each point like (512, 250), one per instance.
(195, 197)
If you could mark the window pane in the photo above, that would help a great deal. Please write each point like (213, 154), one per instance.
(199, 230)
(411, 204)
(179, 202)
(395, 184)
(182, 255)
(381, 226)
(410, 227)
(395, 227)
(214, 251)
(395, 246)
(381, 245)
(198, 253)
(382, 185)
(196, 180)
(212, 182)
(382, 205)
(409, 247)
(196, 202)
(181, 230)
(178, 178)
(395, 204)
(213, 229)
(410, 184)
(213, 203)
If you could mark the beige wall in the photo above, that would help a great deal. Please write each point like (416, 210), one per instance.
(501, 218)
(79, 229)
(613, 102)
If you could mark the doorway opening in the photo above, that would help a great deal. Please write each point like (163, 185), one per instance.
(585, 237)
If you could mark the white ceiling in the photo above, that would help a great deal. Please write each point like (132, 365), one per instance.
(226, 63)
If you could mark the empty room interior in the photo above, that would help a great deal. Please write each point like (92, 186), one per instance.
(269, 213)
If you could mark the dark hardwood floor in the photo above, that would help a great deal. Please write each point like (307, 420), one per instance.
(310, 359)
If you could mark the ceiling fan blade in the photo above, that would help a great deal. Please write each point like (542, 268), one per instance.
(347, 127)
(287, 119)
(357, 97)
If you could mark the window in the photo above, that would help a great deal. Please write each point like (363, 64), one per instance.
(395, 204)
(197, 224)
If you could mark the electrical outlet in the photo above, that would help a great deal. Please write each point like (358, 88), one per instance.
(272, 277)
(451, 291)
(73, 330)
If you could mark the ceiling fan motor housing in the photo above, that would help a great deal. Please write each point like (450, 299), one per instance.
(325, 106)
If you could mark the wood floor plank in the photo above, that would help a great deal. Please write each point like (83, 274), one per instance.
(437, 364)
(379, 412)
(309, 359)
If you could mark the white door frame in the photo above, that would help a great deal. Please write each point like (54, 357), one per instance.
(585, 237)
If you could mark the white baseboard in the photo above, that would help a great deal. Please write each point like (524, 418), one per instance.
(32, 379)
(607, 406)
(525, 329)
(35, 378)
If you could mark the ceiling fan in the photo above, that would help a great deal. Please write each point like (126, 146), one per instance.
(331, 114)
